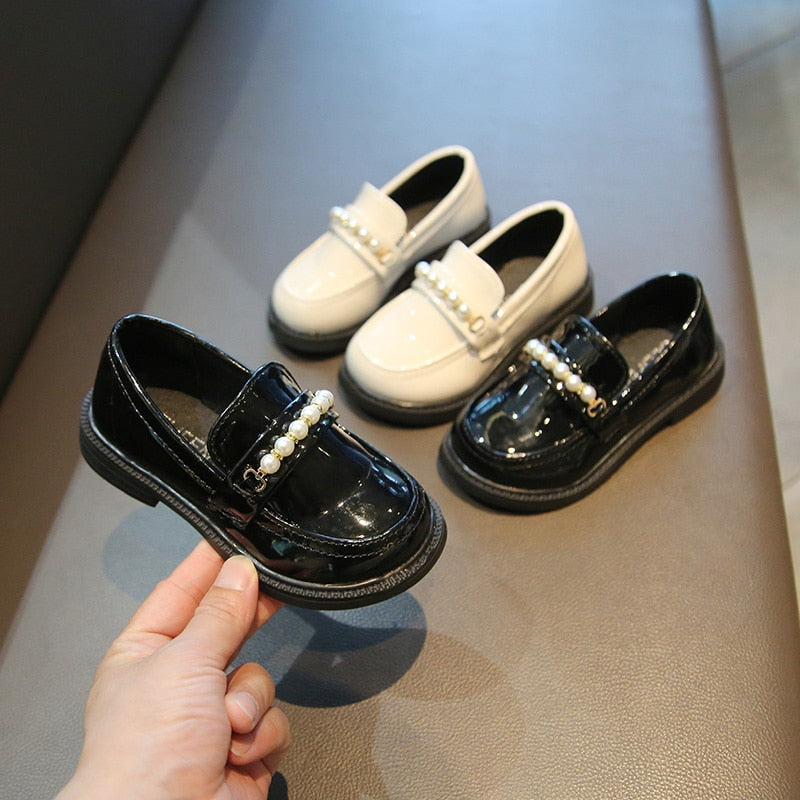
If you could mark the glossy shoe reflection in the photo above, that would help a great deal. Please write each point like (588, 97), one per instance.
(371, 246)
(258, 467)
(570, 411)
(424, 355)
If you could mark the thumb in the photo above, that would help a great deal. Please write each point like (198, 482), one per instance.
(224, 616)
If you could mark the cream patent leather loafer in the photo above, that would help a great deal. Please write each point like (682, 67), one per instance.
(371, 246)
(421, 357)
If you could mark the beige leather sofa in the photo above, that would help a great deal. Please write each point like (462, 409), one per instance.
(642, 643)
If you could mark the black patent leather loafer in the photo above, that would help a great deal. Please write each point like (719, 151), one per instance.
(258, 467)
(571, 409)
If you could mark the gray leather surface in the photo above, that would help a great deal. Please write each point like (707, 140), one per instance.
(642, 643)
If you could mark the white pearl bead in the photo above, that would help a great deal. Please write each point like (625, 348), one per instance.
(363, 234)
(422, 269)
(323, 401)
(539, 351)
(573, 383)
(284, 446)
(588, 393)
(298, 429)
(561, 371)
(310, 414)
(463, 311)
(269, 463)
(549, 360)
(374, 245)
(441, 287)
(452, 297)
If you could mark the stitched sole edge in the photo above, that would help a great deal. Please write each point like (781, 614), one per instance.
(419, 415)
(538, 500)
(322, 344)
(118, 470)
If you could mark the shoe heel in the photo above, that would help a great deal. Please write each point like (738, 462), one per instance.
(705, 391)
(107, 463)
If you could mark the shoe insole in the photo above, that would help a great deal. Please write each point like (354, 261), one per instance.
(192, 419)
(640, 347)
(416, 212)
(517, 270)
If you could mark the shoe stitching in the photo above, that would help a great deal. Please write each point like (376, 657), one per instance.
(390, 539)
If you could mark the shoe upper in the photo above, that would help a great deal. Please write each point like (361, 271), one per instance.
(201, 424)
(346, 273)
(463, 315)
(552, 417)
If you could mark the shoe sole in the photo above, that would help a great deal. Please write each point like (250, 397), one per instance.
(421, 415)
(120, 471)
(538, 500)
(323, 344)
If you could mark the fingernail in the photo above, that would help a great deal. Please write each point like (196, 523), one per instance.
(239, 747)
(236, 573)
(248, 704)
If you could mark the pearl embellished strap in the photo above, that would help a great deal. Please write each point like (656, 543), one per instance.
(359, 236)
(573, 383)
(270, 461)
(449, 297)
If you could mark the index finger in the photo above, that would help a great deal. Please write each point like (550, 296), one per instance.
(173, 602)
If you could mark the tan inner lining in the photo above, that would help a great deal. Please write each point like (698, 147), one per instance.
(192, 419)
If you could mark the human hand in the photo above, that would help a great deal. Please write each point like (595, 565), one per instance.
(163, 719)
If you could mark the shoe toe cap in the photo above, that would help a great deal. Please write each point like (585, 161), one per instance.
(325, 289)
(405, 354)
